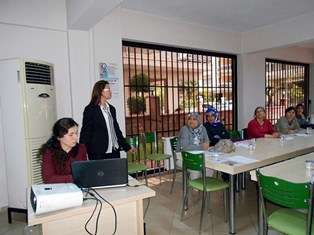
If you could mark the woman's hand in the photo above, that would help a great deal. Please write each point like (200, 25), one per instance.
(206, 145)
(133, 150)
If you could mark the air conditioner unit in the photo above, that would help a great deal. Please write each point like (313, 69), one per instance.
(28, 108)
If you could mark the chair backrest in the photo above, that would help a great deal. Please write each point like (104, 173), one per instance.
(173, 144)
(134, 143)
(284, 193)
(149, 139)
(193, 161)
(234, 134)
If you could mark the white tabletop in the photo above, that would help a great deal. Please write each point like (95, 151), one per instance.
(293, 170)
(267, 151)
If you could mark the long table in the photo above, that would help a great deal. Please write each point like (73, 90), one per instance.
(292, 170)
(267, 151)
(127, 201)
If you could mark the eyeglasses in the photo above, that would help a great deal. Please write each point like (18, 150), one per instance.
(106, 90)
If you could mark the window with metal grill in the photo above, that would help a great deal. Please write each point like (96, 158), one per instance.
(286, 85)
(162, 84)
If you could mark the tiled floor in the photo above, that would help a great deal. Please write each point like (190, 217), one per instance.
(164, 211)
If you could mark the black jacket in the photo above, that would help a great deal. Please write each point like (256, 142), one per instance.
(94, 132)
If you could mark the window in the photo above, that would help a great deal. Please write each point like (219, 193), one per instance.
(286, 85)
(163, 84)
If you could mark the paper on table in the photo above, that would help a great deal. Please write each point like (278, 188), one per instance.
(238, 160)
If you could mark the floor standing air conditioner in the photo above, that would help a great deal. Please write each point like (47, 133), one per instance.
(28, 107)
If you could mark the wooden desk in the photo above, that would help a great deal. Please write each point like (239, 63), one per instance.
(127, 201)
(292, 170)
(267, 151)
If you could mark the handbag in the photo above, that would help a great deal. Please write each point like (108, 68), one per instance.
(225, 146)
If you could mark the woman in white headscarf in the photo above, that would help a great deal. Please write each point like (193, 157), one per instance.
(193, 136)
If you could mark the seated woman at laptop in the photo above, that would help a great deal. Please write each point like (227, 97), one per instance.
(60, 151)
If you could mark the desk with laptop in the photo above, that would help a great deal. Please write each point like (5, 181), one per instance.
(110, 183)
(266, 151)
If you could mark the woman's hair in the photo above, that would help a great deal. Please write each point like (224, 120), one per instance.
(60, 128)
(97, 90)
(299, 105)
(290, 108)
(257, 108)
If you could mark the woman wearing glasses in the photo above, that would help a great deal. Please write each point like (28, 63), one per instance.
(100, 131)
(261, 127)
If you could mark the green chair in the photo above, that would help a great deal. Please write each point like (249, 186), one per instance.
(150, 148)
(173, 144)
(134, 166)
(205, 184)
(289, 196)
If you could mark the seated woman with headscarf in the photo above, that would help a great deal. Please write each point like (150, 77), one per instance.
(215, 130)
(192, 136)
(261, 127)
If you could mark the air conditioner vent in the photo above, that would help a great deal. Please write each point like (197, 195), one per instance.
(39, 73)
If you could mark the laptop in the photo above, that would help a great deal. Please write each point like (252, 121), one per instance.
(100, 173)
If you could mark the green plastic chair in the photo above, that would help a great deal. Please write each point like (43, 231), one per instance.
(173, 144)
(205, 184)
(149, 140)
(134, 166)
(289, 196)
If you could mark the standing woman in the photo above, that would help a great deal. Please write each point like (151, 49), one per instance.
(60, 151)
(261, 127)
(288, 124)
(100, 131)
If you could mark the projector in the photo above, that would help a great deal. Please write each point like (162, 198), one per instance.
(51, 197)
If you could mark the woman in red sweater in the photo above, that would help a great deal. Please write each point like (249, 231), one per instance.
(60, 151)
(261, 127)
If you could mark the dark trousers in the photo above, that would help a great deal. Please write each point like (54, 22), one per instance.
(114, 154)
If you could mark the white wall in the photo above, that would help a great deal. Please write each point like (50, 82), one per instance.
(36, 29)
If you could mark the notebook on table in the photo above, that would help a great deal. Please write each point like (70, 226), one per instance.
(100, 173)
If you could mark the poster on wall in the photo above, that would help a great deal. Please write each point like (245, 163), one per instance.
(108, 72)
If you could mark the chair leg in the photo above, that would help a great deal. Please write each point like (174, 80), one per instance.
(185, 202)
(202, 211)
(158, 164)
(243, 186)
(237, 182)
(146, 177)
(225, 195)
(173, 179)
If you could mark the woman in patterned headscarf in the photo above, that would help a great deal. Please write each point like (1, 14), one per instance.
(193, 135)
(215, 130)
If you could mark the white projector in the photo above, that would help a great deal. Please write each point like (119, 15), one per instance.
(51, 197)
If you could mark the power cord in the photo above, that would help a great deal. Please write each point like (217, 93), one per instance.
(114, 210)
(93, 197)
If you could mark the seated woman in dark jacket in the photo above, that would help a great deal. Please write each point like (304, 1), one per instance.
(215, 130)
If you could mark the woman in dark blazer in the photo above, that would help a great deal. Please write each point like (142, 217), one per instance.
(100, 130)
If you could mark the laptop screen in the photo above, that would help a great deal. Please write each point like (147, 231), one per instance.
(100, 173)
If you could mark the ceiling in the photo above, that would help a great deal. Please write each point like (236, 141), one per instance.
(234, 15)
(231, 15)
